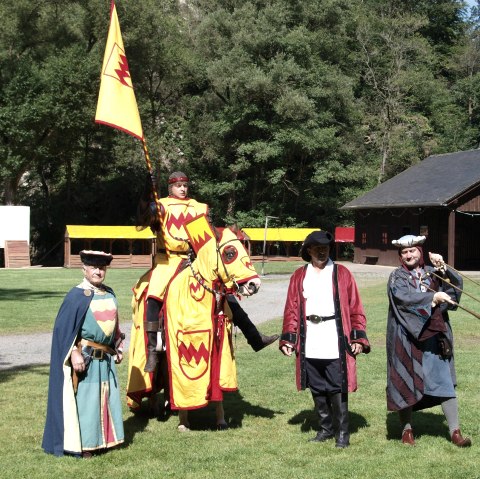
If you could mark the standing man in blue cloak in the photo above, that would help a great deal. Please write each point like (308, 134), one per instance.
(84, 412)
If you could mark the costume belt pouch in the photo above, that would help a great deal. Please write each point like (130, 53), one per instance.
(87, 352)
(445, 347)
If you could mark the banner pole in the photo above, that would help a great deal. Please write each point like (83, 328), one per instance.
(152, 179)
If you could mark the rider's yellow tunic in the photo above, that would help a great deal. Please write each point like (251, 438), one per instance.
(172, 246)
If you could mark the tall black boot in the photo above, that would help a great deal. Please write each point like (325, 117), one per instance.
(254, 337)
(339, 403)
(152, 328)
(324, 411)
(160, 382)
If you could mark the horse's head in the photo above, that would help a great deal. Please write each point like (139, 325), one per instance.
(236, 268)
(221, 257)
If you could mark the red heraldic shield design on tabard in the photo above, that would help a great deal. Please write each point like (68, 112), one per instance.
(175, 221)
(193, 353)
(197, 291)
(199, 232)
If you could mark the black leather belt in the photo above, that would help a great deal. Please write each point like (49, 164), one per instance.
(319, 319)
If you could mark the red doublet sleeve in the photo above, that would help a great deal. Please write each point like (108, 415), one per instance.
(352, 308)
(292, 311)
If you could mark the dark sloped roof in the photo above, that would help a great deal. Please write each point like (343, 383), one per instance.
(435, 181)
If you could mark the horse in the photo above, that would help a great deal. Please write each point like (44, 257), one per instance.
(206, 268)
(197, 320)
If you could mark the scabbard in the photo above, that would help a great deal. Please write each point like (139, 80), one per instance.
(75, 380)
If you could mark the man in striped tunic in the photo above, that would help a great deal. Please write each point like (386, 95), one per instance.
(420, 362)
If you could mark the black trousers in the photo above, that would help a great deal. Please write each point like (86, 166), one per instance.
(324, 376)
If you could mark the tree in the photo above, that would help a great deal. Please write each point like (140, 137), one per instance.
(50, 73)
(274, 107)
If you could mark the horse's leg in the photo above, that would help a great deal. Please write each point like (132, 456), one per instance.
(220, 415)
(160, 407)
(153, 405)
(183, 426)
(162, 376)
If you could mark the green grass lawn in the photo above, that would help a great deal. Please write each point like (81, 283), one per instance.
(270, 421)
(30, 298)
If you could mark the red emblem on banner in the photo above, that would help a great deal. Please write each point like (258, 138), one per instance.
(117, 66)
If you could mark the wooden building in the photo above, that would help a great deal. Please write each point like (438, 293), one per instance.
(17, 254)
(438, 197)
(130, 248)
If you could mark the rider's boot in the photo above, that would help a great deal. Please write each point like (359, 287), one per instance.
(324, 411)
(254, 337)
(152, 328)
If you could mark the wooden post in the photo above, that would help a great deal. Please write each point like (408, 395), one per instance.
(66, 251)
(451, 238)
(130, 252)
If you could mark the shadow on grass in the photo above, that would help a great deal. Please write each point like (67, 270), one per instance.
(23, 294)
(10, 373)
(308, 421)
(135, 424)
(236, 408)
(423, 424)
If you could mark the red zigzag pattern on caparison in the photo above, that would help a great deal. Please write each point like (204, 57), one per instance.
(191, 352)
(195, 287)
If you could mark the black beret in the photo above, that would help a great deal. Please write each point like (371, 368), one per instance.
(95, 258)
(323, 238)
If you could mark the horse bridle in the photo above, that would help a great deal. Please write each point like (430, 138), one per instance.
(201, 281)
(219, 254)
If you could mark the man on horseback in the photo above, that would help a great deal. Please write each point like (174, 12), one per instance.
(172, 252)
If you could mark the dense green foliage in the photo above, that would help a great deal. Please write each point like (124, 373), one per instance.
(274, 107)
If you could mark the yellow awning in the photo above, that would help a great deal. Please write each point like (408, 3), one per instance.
(278, 234)
(107, 232)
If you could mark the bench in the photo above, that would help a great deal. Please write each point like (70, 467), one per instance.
(370, 258)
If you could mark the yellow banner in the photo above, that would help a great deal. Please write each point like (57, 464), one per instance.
(117, 106)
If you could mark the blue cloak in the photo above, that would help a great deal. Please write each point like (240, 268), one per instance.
(67, 326)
